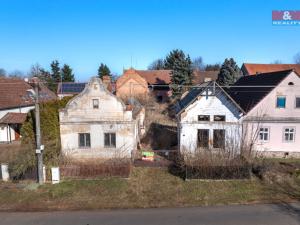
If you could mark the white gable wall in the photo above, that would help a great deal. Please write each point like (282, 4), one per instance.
(79, 116)
(276, 119)
(208, 105)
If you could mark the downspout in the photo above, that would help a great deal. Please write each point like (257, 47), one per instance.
(7, 136)
(8, 127)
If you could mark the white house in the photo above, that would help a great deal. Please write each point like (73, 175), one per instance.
(263, 109)
(208, 119)
(96, 124)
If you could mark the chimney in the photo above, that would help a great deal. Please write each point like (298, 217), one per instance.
(106, 81)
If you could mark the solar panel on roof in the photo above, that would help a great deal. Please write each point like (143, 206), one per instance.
(72, 87)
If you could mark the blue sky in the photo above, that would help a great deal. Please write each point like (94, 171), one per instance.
(135, 32)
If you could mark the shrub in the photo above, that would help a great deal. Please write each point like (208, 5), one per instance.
(50, 133)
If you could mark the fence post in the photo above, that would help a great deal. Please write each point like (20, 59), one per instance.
(4, 172)
(55, 175)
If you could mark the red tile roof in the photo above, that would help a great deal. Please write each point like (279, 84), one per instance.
(13, 93)
(13, 118)
(252, 69)
(156, 76)
(202, 76)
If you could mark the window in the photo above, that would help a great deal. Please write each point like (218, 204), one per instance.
(219, 139)
(289, 134)
(110, 140)
(95, 103)
(263, 134)
(298, 102)
(84, 140)
(203, 118)
(219, 118)
(203, 137)
(280, 103)
(159, 98)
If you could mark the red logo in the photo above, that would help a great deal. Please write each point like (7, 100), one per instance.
(286, 15)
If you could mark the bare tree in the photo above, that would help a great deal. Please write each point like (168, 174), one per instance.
(198, 64)
(2, 72)
(16, 74)
(277, 61)
(297, 58)
(35, 70)
(157, 64)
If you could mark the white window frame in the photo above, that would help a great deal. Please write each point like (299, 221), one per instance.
(86, 136)
(264, 132)
(294, 134)
(280, 96)
(296, 102)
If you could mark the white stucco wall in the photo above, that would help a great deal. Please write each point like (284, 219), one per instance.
(79, 116)
(276, 119)
(4, 133)
(16, 110)
(208, 105)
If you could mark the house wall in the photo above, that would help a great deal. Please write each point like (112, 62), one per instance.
(16, 110)
(61, 96)
(5, 136)
(208, 105)
(79, 116)
(132, 88)
(4, 132)
(276, 119)
(125, 140)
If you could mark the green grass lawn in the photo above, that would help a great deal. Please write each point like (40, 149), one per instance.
(146, 187)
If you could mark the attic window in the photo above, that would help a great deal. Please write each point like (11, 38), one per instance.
(291, 83)
(203, 118)
(219, 118)
(95, 103)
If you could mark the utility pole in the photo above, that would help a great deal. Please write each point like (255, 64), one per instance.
(39, 151)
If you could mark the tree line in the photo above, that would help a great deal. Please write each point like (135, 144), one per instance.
(180, 64)
(182, 68)
(55, 75)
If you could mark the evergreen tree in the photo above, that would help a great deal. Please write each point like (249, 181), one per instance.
(229, 73)
(66, 73)
(182, 72)
(103, 70)
(55, 71)
(46, 78)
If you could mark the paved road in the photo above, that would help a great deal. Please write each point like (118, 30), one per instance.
(281, 214)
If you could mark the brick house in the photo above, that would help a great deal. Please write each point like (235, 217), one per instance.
(255, 68)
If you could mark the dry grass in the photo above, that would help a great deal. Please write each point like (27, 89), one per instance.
(8, 152)
(146, 187)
